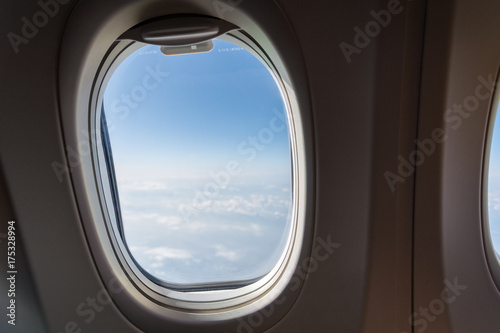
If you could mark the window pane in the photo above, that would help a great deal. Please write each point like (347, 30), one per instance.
(202, 157)
(494, 187)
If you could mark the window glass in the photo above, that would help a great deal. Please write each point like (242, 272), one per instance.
(494, 187)
(202, 157)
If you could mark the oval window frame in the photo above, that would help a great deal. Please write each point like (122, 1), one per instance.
(200, 302)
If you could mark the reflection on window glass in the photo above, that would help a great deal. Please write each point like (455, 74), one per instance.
(494, 187)
(202, 157)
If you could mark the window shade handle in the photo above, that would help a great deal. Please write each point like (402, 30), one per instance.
(179, 31)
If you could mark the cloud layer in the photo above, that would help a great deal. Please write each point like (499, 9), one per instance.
(236, 235)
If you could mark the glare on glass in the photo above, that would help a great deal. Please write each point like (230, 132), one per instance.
(202, 157)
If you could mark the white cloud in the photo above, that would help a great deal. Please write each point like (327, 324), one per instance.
(169, 221)
(494, 200)
(141, 186)
(156, 265)
(252, 205)
(253, 227)
(160, 253)
(222, 252)
(256, 228)
(174, 222)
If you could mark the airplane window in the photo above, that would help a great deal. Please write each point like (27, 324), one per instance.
(494, 187)
(200, 148)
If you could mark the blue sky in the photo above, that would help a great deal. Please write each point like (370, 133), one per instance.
(201, 149)
(494, 186)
